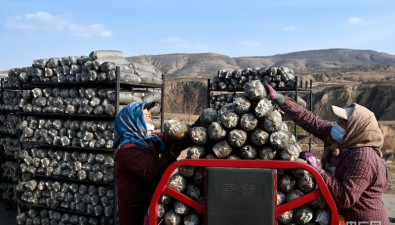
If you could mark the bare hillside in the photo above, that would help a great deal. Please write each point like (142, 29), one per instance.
(187, 66)
(340, 76)
(378, 97)
(176, 66)
(333, 58)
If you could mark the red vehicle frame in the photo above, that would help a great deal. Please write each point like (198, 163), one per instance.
(322, 190)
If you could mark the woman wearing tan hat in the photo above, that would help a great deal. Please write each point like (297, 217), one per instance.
(354, 170)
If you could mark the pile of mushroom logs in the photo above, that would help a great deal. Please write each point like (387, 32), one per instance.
(249, 128)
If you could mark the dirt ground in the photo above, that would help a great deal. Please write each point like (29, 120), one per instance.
(8, 217)
(391, 177)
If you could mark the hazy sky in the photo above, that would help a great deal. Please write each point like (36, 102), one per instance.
(52, 28)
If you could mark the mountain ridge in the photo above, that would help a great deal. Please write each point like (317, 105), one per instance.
(339, 76)
(205, 65)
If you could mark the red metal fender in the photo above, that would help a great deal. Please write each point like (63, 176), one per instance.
(322, 190)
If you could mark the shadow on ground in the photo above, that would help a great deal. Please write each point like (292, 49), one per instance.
(8, 216)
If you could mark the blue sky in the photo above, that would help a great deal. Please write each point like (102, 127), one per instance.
(39, 29)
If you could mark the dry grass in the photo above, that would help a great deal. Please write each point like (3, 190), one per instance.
(388, 129)
(391, 177)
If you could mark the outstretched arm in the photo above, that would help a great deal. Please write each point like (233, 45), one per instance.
(306, 119)
(301, 116)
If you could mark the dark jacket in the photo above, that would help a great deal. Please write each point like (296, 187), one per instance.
(138, 172)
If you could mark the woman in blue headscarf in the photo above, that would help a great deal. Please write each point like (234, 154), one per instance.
(138, 164)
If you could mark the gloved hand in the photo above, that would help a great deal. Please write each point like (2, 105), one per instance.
(311, 160)
(274, 95)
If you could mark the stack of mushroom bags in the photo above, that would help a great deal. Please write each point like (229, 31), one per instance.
(99, 66)
(248, 128)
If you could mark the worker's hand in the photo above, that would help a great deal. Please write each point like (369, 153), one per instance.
(274, 95)
(311, 160)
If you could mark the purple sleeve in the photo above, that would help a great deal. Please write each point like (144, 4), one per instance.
(306, 119)
(356, 178)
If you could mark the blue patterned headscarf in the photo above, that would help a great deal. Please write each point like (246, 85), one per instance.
(130, 127)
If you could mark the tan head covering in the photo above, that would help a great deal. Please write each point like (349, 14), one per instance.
(362, 131)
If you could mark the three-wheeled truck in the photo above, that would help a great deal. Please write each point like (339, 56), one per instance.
(241, 192)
